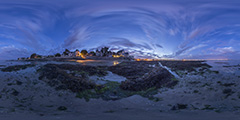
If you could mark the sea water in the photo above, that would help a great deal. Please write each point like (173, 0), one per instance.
(5, 63)
(169, 70)
(226, 66)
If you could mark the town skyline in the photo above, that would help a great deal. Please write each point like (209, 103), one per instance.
(82, 53)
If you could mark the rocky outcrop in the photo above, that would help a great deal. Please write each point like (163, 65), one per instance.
(130, 69)
(17, 67)
(57, 76)
(157, 77)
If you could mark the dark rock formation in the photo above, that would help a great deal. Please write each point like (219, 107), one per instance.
(17, 67)
(62, 108)
(91, 70)
(141, 75)
(131, 69)
(15, 92)
(179, 107)
(57, 76)
(157, 77)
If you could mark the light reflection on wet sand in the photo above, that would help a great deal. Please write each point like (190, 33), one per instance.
(97, 62)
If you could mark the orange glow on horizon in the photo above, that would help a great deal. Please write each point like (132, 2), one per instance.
(139, 59)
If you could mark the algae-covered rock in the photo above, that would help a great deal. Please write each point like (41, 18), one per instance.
(17, 67)
(112, 91)
(157, 77)
(58, 77)
(131, 70)
(62, 108)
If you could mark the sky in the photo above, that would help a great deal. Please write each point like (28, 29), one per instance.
(179, 29)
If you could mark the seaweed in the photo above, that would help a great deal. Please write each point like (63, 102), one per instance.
(112, 91)
(17, 67)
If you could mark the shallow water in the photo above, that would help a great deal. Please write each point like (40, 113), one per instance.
(169, 70)
(12, 62)
(221, 66)
(109, 77)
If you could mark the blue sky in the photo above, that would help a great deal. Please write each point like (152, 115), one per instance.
(199, 29)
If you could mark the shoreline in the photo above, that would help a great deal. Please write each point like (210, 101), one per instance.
(205, 92)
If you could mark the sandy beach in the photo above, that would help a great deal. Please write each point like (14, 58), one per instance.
(212, 94)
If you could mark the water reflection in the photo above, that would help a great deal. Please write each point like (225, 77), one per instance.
(115, 63)
(84, 62)
(97, 62)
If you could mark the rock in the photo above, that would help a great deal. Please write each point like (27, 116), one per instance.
(18, 82)
(15, 92)
(62, 108)
(157, 77)
(131, 70)
(208, 107)
(182, 106)
(17, 67)
(57, 76)
(174, 108)
(179, 107)
(2, 66)
(195, 91)
(228, 84)
(227, 91)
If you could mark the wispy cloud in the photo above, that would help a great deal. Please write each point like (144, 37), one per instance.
(77, 37)
(163, 28)
(224, 50)
(123, 42)
(12, 52)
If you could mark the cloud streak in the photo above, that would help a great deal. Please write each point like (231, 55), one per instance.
(159, 28)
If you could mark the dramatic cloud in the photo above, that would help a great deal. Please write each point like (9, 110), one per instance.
(123, 42)
(146, 28)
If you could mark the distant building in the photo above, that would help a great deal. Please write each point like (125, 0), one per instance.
(121, 53)
(66, 52)
(21, 58)
(71, 54)
(77, 53)
(92, 53)
(125, 54)
(109, 54)
(103, 52)
(98, 53)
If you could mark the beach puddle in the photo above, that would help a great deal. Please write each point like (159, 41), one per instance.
(169, 70)
(109, 77)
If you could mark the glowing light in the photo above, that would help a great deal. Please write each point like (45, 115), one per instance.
(117, 56)
(115, 62)
(77, 53)
(84, 61)
(82, 56)
(145, 59)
